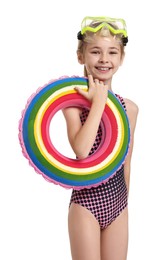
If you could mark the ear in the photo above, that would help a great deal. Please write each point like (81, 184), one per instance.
(80, 57)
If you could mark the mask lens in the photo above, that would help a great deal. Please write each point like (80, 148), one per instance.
(93, 23)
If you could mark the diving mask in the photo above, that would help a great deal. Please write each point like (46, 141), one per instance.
(94, 24)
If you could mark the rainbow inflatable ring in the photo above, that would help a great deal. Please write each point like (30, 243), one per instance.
(38, 148)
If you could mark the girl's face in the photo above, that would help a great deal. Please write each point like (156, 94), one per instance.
(102, 58)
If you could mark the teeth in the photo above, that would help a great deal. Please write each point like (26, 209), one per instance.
(103, 68)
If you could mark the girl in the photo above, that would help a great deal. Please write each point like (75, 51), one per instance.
(98, 217)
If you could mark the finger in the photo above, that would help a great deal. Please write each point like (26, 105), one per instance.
(101, 82)
(90, 79)
(82, 92)
(96, 81)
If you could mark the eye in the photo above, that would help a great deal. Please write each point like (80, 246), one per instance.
(113, 52)
(95, 52)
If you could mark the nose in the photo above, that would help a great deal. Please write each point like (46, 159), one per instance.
(103, 58)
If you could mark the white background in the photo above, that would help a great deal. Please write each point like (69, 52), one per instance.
(37, 44)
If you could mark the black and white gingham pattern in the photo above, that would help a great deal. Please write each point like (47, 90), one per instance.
(107, 200)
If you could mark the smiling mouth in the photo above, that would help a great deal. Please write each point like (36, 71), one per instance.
(103, 69)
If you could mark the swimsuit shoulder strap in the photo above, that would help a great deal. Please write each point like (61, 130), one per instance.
(121, 99)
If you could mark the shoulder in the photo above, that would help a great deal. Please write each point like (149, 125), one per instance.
(131, 106)
(72, 114)
(71, 111)
(132, 111)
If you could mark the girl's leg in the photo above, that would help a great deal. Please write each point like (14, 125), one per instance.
(84, 233)
(114, 239)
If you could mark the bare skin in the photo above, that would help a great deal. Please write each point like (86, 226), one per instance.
(88, 242)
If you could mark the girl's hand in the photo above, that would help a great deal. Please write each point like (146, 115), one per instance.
(97, 91)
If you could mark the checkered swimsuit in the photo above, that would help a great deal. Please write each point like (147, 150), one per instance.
(108, 200)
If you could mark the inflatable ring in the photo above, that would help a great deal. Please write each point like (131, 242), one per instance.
(38, 147)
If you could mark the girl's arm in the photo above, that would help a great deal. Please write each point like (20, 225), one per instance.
(132, 112)
(81, 137)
